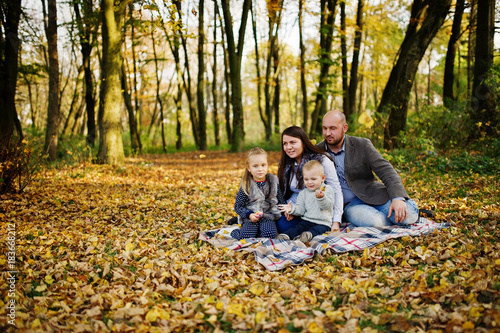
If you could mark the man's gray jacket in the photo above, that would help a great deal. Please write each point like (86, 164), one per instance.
(362, 163)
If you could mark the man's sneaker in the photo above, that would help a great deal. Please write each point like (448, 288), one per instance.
(305, 237)
(283, 236)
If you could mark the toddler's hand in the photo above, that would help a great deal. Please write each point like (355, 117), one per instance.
(320, 193)
(285, 208)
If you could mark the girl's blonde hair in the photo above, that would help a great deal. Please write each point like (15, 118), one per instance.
(247, 176)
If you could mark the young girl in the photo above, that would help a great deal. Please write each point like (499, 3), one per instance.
(257, 200)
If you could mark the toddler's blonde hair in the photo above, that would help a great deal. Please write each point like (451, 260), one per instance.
(313, 165)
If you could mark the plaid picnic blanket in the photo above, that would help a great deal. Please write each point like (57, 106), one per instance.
(276, 254)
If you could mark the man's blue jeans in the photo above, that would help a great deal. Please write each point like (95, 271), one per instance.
(363, 215)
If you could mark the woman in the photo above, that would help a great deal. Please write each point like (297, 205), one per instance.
(296, 150)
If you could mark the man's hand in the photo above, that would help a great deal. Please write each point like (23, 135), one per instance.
(399, 209)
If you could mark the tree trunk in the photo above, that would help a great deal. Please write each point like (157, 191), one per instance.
(484, 114)
(135, 140)
(227, 81)
(345, 69)
(263, 116)
(277, 90)
(109, 117)
(234, 57)
(137, 106)
(85, 28)
(51, 135)
(425, 21)
(470, 44)
(202, 113)
(187, 83)
(215, 115)
(326, 38)
(9, 51)
(274, 14)
(174, 48)
(158, 83)
(353, 83)
(449, 65)
(73, 106)
(303, 86)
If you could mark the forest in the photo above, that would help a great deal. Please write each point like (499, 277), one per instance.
(123, 131)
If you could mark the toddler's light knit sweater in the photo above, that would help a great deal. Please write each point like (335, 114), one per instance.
(316, 210)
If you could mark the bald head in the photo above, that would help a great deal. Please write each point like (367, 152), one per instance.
(335, 115)
(334, 129)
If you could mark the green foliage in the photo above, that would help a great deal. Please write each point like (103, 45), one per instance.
(436, 127)
(421, 154)
(74, 150)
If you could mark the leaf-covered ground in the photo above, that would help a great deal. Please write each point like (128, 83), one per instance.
(103, 248)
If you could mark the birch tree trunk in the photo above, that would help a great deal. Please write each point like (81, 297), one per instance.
(109, 117)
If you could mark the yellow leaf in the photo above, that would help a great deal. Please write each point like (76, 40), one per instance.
(257, 289)
(48, 279)
(236, 308)
(468, 326)
(93, 239)
(366, 119)
(475, 312)
(243, 241)
(35, 324)
(70, 279)
(365, 253)
(129, 247)
(156, 313)
(260, 317)
(314, 328)
(219, 306)
(348, 284)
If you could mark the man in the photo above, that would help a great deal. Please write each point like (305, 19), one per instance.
(367, 201)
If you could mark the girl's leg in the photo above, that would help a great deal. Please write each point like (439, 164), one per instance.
(267, 229)
(248, 230)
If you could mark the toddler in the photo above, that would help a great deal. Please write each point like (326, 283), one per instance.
(257, 199)
(314, 205)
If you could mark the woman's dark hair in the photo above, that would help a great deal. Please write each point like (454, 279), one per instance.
(309, 148)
